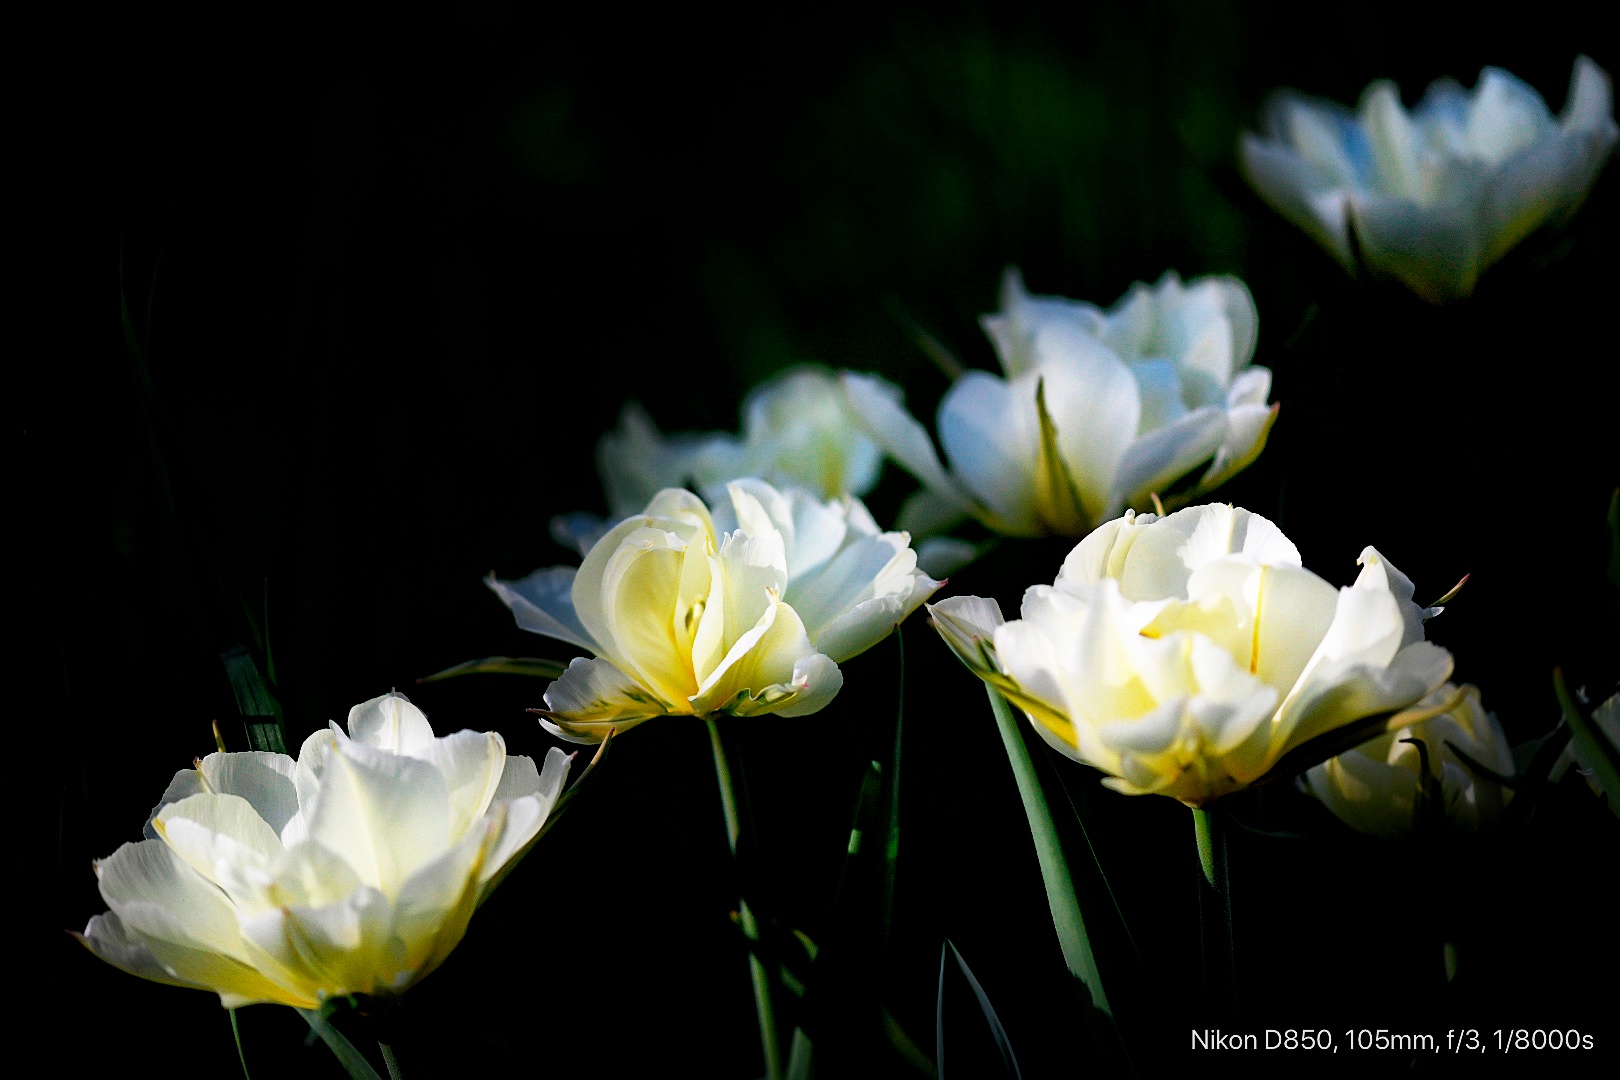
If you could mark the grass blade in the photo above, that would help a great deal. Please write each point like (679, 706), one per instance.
(1060, 897)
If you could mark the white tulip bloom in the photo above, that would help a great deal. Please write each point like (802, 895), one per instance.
(352, 870)
(1434, 196)
(797, 430)
(1375, 787)
(1096, 409)
(1193, 655)
(746, 610)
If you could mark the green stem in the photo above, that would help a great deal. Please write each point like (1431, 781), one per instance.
(1205, 833)
(1060, 895)
(1215, 909)
(241, 1054)
(756, 967)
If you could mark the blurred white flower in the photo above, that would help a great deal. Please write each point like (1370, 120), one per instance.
(1097, 410)
(1192, 655)
(797, 429)
(352, 870)
(747, 611)
(1375, 787)
(1434, 196)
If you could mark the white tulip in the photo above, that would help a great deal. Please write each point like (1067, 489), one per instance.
(1375, 787)
(1433, 196)
(1096, 409)
(352, 870)
(797, 429)
(745, 611)
(1192, 655)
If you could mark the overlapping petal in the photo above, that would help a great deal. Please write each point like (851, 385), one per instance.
(352, 870)
(1190, 655)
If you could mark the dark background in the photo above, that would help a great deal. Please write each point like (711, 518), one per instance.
(388, 281)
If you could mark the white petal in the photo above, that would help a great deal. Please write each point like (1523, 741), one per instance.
(1542, 183)
(901, 437)
(1096, 406)
(159, 898)
(390, 722)
(265, 780)
(992, 440)
(1302, 192)
(816, 680)
(1159, 458)
(1590, 104)
(472, 764)
(215, 832)
(965, 622)
(383, 814)
(1437, 250)
(593, 696)
(543, 603)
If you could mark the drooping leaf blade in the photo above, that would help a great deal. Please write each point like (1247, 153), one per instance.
(951, 959)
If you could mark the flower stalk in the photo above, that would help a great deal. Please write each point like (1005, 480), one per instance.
(1214, 906)
(757, 971)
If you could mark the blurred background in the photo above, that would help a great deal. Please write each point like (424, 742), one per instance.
(387, 281)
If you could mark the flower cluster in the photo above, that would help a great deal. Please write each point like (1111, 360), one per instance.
(1192, 655)
(1095, 410)
(352, 870)
(1434, 196)
(745, 609)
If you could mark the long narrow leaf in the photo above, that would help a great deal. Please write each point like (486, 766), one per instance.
(350, 1058)
(1060, 897)
(502, 665)
(987, 1012)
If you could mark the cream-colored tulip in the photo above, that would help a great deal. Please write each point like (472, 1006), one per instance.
(1193, 655)
(745, 611)
(1375, 787)
(1096, 410)
(351, 871)
(1435, 196)
(797, 430)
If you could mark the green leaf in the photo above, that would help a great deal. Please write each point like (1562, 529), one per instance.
(987, 1013)
(261, 713)
(1060, 896)
(502, 665)
(350, 1058)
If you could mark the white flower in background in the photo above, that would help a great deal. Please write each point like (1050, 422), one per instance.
(797, 429)
(1192, 655)
(352, 870)
(746, 610)
(1375, 787)
(1096, 409)
(1433, 196)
